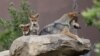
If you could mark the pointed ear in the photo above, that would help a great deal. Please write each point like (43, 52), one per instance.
(30, 16)
(71, 14)
(21, 25)
(28, 25)
(36, 15)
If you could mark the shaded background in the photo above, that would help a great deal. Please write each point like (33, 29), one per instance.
(51, 10)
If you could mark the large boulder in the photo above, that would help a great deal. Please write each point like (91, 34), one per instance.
(48, 45)
(4, 53)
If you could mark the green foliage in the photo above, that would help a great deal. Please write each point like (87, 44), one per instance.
(11, 27)
(97, 49)
(92, 15)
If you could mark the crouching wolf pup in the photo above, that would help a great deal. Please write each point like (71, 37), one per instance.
(34, 25)
(25, 29)
(69, 20)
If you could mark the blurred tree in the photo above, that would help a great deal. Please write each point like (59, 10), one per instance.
(11, 27)
(92, 15)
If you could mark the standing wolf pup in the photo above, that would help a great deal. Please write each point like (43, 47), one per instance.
(67, 20)
(34, 25)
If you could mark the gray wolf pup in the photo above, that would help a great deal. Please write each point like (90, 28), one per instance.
(25, 29)
(34, 25)
(69, 20)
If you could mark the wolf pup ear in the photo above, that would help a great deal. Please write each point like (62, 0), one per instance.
(72, 14)
(28, 25)
(36, 15)
(21, 25)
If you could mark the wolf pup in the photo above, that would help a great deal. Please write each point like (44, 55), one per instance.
(69, 20)
(34, 25)
(25, 29)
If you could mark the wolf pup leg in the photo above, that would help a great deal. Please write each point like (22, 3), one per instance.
(66, 31)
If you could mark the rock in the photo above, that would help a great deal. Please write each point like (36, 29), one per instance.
(4, 53)
(48, 45)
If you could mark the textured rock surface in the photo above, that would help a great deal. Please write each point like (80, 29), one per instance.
(48, 45)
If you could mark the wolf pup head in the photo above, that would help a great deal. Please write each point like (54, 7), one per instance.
(74, 19)
(34, 19)
(25, 28)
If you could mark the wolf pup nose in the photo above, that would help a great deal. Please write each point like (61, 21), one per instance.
(76, 26)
